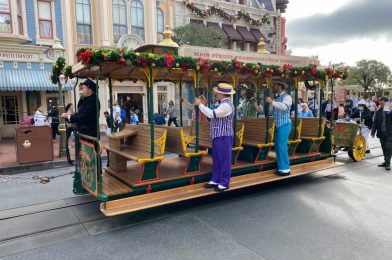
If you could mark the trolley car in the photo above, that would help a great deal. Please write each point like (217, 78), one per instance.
(152, 180)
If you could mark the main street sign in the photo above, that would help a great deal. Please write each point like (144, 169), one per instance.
(251, 57)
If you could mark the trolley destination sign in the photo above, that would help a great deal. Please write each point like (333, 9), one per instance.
(251, 57)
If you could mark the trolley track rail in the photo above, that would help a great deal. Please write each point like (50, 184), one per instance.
(61, 220)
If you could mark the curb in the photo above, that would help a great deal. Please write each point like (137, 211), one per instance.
(36, 167)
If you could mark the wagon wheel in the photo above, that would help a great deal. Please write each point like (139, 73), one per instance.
(357, 152)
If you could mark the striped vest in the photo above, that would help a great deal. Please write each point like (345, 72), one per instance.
(223, 126)
(281, 117)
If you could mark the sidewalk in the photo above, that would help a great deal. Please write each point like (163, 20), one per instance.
(9, 164)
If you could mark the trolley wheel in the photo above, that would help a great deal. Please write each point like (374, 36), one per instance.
(357, 152)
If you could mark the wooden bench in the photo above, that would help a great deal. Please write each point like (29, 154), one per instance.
(294, 142)
(178, 142)
(137, 147)
(256, 145)
(311, 136)
(205, 138)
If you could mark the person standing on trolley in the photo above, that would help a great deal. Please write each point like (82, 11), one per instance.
(281, 113)
(222, 134)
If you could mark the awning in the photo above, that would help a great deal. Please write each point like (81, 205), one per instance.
(218, 29)
(231, 33)
(246, 35)
(28, 80)
(258, 35)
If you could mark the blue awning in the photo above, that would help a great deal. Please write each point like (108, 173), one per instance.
(28, 80)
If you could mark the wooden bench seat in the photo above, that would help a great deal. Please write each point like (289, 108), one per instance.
(178, 140)
(256, 145)
(137, 147)
(311, 135)
(205, 138)
(294, 141)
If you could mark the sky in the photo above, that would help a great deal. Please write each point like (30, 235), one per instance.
(340, 30)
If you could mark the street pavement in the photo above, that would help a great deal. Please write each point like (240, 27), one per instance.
(339, 213)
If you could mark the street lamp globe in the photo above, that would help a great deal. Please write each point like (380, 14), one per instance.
(57, 49)
(62, 79)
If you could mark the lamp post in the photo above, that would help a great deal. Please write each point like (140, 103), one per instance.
(57, 52)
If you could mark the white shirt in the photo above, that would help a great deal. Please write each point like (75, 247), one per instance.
(39, 119)
(223, 110)
(117, 109)
(286, 104)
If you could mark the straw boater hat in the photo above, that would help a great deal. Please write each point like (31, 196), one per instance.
(225, 89)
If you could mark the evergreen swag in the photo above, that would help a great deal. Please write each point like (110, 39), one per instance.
(214, 10)
(60, 68)
(90, 57)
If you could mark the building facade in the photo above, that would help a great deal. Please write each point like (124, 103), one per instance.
(28, 30)
(132, 23)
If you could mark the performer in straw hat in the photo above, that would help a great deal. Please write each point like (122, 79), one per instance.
(222, 136)
(281, 112)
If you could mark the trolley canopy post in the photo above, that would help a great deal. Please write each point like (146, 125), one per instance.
(97, 107)
(111, 102)
(180, 88)
(321, 87)
(267, 117)
(196, 82)
(234, 77)
(296, 83)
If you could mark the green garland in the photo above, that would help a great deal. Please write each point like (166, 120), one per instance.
(127, 57)
(215, 10)
(57, 70)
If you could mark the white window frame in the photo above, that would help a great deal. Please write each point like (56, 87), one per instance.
(45, 41)
(163, 23)
(126, 20)
(144, 17)
(91, 25)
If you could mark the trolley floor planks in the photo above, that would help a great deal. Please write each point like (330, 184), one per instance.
(155, 199)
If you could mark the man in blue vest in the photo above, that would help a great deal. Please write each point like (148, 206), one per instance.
(221, 135)
(281, 112)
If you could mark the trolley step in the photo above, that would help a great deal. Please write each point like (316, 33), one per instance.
(155, 199)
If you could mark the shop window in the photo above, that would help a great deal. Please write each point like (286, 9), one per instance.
(162, 103)
(137, 18)
(83, 21)
(45, 20)
(10, 109)
(5, 17)
(120, 27)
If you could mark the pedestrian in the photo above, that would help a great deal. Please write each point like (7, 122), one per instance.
(159, 119)
(53, 114)
(382, 126)
(305, 112)
(39, 118)
(171, 111)
(86, 116)
(134, 120)
(363, 114)
(248, 106)
(109, 122)
(222, 134)
(69, 129)
(117, 122)
(281, 114)
(329, 109)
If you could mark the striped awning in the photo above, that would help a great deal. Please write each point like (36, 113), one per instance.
(231, 33)
(216, 27)
(28, 80)
(258, 34)
(248, 37)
